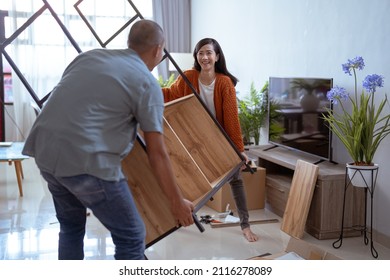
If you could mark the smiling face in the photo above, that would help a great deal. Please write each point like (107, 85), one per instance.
(207, 57)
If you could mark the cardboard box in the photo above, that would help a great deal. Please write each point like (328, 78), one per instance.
(298, 249)
(255, 192)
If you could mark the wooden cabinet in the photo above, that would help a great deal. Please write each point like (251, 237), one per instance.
(202, 159)
(278, 189)
(324, 219)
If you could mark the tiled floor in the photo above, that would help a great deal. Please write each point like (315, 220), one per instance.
(29, 230)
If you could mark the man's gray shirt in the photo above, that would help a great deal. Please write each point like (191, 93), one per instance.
(89, 123)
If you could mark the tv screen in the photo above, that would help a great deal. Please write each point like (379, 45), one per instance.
(299, 105)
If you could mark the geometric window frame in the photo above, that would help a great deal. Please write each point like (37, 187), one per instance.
(46, 6)
(9, 40)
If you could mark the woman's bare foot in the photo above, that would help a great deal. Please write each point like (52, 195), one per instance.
(249, 235)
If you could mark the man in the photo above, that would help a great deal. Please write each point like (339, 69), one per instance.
(88, 126)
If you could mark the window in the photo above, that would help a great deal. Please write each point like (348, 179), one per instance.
(42, 51)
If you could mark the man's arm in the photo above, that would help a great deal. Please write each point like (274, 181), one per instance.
(162, 168)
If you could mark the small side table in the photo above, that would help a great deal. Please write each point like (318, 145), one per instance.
(11, 152)
(368, 188)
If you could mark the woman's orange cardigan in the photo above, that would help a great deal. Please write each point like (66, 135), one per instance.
(225, 102)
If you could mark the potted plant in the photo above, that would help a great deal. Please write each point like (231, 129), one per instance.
(362, 130)
(252, 112)
(166, 83)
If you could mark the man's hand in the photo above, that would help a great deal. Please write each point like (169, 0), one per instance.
(182, 212)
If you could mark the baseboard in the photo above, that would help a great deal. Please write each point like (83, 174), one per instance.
(381, 238)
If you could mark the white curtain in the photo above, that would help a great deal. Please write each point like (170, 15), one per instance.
(43, 51)
(174, 16)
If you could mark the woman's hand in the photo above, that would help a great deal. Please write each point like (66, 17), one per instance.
(246, 160)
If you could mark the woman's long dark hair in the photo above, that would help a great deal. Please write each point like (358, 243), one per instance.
(220, 65)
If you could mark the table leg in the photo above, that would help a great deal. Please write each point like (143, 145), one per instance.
(19, 175)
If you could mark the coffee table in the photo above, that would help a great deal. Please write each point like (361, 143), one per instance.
(11, 152)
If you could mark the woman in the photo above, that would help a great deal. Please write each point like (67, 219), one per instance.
(216, 86)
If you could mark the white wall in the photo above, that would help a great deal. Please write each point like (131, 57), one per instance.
(312, 38)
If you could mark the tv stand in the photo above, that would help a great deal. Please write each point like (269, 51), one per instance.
(327, 202)
(270, 148)
(318, 161)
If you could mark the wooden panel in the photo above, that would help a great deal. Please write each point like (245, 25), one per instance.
(190, 179)
(299, 199)
(149, 198)
(201, 136)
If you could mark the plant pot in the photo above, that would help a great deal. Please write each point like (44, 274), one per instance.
(362, 175)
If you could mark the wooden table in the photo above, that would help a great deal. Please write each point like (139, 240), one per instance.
(11, 152)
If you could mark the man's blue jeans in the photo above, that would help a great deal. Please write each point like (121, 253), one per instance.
(111, 202)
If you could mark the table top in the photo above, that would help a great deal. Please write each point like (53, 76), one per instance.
(288, 158)
(12, 151)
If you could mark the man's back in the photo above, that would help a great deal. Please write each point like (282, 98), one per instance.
(92, 114)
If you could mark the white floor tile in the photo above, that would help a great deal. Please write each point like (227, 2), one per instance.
(29, 230)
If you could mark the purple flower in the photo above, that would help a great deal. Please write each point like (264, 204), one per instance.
(337, 94)
(372, 81)
(361, 127)
(356, 63)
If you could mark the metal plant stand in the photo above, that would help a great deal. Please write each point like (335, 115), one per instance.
(368, 188)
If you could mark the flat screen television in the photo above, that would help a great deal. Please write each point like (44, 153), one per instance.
(300, 105)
